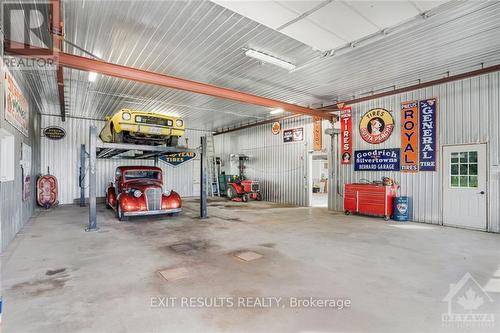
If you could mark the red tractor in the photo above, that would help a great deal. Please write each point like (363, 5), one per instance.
(242, 189)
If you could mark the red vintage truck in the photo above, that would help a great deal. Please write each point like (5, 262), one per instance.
(138, 191)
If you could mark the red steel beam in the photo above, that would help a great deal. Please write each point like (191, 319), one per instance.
(57, 33)
(163, 80)
(486, 70)
(139, 75)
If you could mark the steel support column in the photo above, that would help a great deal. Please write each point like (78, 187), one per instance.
(203, 178)
(92, 179)
(81, 180)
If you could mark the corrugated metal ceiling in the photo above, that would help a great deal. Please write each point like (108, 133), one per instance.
(203, 41)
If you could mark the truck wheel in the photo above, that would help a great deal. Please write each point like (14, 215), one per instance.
(258, 197)
(119, 213)
(173, 141)
(244, 197)
(117, 137)
(231, 192)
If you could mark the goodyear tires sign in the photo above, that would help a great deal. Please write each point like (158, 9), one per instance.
(377, 160)
(175, 159)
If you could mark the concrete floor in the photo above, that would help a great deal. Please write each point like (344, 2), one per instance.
(58, 278)
(319, 200)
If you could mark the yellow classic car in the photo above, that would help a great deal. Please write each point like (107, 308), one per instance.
(142, 127)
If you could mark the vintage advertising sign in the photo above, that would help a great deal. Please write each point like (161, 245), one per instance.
(175, 159)
(54, 132)
(16, 106)
(409, 136)
(317, 134)
(346, 135)
(428, 135)
(377, 160)
(376, 125)
(276, 128)
(293, 135)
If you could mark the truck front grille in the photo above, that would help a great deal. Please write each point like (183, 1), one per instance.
(153, 198)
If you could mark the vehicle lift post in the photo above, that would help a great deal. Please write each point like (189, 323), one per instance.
(92, 180)
(203, 179)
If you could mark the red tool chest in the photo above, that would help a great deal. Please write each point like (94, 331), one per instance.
(369, 199)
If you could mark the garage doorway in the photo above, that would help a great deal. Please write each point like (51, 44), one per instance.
(465, 186)
(318, 180)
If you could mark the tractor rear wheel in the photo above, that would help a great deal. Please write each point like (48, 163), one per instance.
(258, 197)
(231, 192)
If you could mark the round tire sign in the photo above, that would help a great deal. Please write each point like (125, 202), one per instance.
(276, 128)
(376, 126)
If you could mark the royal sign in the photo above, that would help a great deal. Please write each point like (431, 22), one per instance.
(376, 126)
(175, 159)
(317, 134)
(377, 160)
(409, 136)
(276, 128)
(428, 135)
(346, 135)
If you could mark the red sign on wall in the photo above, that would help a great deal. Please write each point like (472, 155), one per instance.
(346, 135)
(409, 136)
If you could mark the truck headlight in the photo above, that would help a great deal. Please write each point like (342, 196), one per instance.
(167, 193)
(137, 193)
(179, 123)
(126, 116)
(138, 119)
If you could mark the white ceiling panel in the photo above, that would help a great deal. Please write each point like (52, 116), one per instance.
(268, 13)
(300, 7)
(384, 13)
(343, 21)
(313, 35)
(427, 5)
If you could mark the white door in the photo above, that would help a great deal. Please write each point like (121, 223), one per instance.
(464, 186)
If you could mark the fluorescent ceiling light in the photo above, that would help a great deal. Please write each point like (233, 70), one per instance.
(276, 111)
(92, 76)
(270, 59)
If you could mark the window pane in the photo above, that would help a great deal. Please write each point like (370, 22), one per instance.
(463, 169)
(464, 181)
(473, 169)
(473, 156)
(473, 181)
(454, 157)
(463, 158)
(454, 181)
(454, 169)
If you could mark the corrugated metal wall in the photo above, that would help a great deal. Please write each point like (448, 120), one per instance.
(63, 158)
(14, 212)
(281, 168)
(468, 112)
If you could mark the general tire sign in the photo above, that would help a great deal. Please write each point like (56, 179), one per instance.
(428, 135)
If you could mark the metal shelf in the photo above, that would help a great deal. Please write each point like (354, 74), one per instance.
(114, 150)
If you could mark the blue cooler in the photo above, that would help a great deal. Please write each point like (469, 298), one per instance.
(401, 209)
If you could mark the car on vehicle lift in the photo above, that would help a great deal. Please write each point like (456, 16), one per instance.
(138, 191)
(141, 127)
